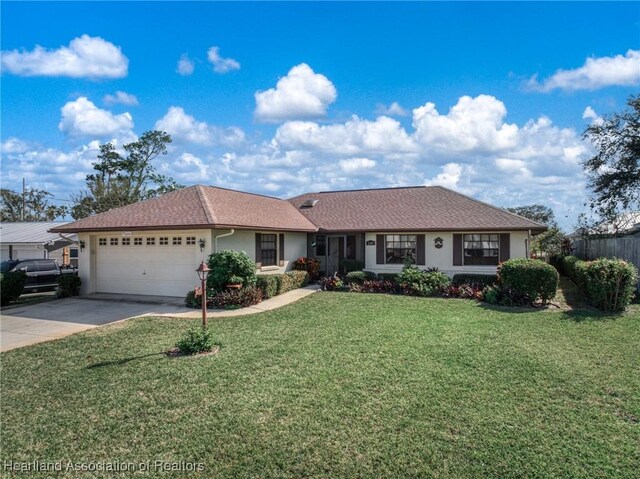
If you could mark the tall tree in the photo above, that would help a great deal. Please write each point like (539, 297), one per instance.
(614, 171)
(37, 206)
(121, 180)
(540, 213)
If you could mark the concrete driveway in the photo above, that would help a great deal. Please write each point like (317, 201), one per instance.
(36, 323)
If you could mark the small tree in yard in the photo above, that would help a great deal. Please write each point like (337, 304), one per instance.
(227, 265)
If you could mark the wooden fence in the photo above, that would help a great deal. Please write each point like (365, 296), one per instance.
(627, 249)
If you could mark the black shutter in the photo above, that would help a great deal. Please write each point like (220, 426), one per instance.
(457, 250)
(281, 246)
(420, 256)
(505, 246)
(258, 250)
(351, 246)
(379, 249)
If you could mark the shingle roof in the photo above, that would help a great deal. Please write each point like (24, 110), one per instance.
(198, 206)
(420, 208)
(29, 232)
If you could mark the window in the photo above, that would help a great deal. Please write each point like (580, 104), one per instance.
(73, 253)
(481, 249)
(321, 245)
(268, 246)
(102, 242)
(151, 241)
(113, 241)
(177, 240)
(137, 241)
(126, 241)
(164, 240)
(399, 248)
(45, 265)
(191, 240)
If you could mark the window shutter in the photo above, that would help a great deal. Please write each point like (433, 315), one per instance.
(505, 246)
(379, 249)
(420, 256)
(258, 250)
(281, 247)
(457, 250)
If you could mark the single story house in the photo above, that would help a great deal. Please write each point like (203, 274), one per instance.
(32, 240)
(154, 246)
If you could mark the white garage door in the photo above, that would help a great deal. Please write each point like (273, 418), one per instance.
(162, 265)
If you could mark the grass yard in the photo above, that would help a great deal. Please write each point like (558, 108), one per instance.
(339, 385)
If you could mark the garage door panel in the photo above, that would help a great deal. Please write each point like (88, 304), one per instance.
(153, 270)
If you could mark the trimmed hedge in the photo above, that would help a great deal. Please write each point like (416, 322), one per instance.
(237, 298)
(11, 286)
(357, 277)
(528, 280)
(293, 280)
(269, 284)
(349, 265)
(68, 285)
(608, 283)
(480, 280)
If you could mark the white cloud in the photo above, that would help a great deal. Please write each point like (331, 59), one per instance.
(221, 65)
(13, 145)
(448, 177)
(121, 97)
(596, 73)
(590, 114)
(301, 94)
(392, 110)
(182, 126)
(82, 118)
(187, 168)
(473, 124)
(355, 165)
(85, 57)
(511, 166)
(354, 137)
(185, 65)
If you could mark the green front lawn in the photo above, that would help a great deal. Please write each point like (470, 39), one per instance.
(340, 385)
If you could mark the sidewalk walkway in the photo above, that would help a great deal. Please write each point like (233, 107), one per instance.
(267, 305)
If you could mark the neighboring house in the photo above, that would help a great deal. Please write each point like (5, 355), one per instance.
(153, 247)
(33, 240)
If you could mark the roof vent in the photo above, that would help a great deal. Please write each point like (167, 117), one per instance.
(309, 204)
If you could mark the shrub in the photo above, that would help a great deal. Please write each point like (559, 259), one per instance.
(349, 265)
(269, 284)
(11, 286)
(357, 277)
(528, 280)
(193, 299)
(466, 291)
(480, 280)
(299, 279)
(568, 266)
(379, 286)
(68, 285)
(196, 340)
(609, 283)
(491, 294)
(227, 264)
(310, 265)
(388, 276)
(237, 298)
(331, 283)
(421, 283)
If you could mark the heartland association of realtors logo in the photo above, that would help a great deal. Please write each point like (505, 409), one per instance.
(70, 466)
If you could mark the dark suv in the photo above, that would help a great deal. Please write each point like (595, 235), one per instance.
(42, 274)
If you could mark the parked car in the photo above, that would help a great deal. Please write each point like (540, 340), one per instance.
(42, 274)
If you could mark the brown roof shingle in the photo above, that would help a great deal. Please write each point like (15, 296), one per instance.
(420, 208)
(198, 206)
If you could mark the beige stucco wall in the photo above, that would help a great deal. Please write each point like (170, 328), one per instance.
(295, 246)
(443, 258)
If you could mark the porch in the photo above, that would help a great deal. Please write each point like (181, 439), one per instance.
(337, 252)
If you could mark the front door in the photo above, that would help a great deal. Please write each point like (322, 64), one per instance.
(335, 254)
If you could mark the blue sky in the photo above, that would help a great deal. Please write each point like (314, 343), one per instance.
(489, 99)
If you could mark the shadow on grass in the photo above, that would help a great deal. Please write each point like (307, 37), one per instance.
(120, 362)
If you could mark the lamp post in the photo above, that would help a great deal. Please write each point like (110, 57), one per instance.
(202, 271)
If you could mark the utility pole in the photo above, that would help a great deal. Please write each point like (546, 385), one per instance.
(24, 194)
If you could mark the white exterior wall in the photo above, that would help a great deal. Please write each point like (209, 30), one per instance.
(295, 246)
(25, 251)
(165, 270)
(443, 258)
